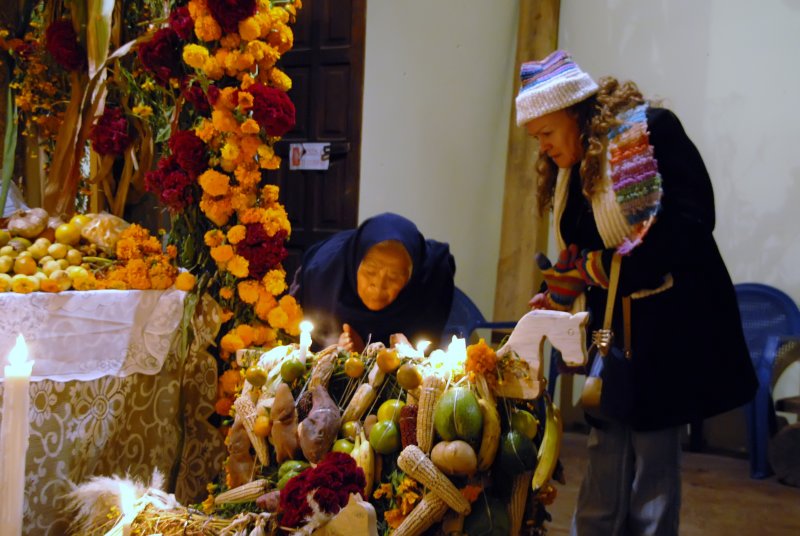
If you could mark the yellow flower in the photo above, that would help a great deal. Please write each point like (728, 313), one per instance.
(213, 69)
(148, 85)
(236, 234)
(385, 490)
(265, 304)
(279, 79)
(214, 183)
(275, 281)
(224, 121)
(269, 194)
(209, 505)
(195, 55)
(247, 178)
(218, 211)
(247, 81)
(248, 291)
(251, 215)
(214, 238)
(244, 61)
(206, 28)
(264, 336)
(238, 266)
(246, 333)
(185, 281)
(205, 130)
(277, 318)
(142, 110)
(231, 41)
(222, 254)
(249, 29)
(230, 151)
(249, 146)
(245, 100)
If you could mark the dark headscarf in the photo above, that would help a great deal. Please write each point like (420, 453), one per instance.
(325, 284)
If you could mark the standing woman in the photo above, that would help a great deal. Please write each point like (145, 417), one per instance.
(381, 279)
(623, 177)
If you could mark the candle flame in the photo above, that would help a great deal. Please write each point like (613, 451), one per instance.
(422, 346)
(306, 326)
(19, 354)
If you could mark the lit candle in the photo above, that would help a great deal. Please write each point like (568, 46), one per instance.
(14, 437)
(305, 338)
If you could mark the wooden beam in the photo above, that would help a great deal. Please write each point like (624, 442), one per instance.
(523, 230)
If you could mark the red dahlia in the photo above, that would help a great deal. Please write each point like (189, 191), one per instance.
(61, 42)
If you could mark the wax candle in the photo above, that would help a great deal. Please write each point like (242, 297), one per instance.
(305, 338)
(14, 437)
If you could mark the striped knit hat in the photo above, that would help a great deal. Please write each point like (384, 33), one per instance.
(549, 85)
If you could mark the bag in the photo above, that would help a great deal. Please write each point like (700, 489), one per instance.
(608, 390)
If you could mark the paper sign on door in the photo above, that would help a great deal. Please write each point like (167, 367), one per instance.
(309, 155)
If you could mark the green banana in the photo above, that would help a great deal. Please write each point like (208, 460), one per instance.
(550, 447)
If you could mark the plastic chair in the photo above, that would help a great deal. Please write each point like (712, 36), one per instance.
(770, 318)
(465, 318)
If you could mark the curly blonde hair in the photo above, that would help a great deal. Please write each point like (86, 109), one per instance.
(596, 116)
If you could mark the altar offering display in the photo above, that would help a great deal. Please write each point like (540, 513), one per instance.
(463, 440)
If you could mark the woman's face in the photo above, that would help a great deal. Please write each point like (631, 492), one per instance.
(382, 274)
(559, 137)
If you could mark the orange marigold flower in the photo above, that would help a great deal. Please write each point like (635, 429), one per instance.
(224, 121)
(213, 69)
(238, 266)
(226, 315)
(264, 335)
(185, 281)
(385, 490)
(275, 281)
(236, 234)
(248, 291)
(269, 194)
(471, 492)
(249, 29)
(230, 151)
(222, 254)
(246, 333)
(195, 55)
(266, 303)
(277, 318)
(227, 98)
(249, 146)
(245, 100)
(251, 215)
(223, 406)
(394, 517)
(214, 238)
(214, 183)
(205, 130)
(279, 79)
(217, 210)
(231, 342)
(207, 29)
(226, 293)
(481, 359)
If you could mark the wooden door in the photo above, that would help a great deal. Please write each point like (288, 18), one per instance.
(326, 66)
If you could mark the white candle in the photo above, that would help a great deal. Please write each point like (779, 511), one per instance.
(14, 437)
(305, 338)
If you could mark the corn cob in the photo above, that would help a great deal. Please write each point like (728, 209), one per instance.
(519, 496)
(432, 387)
(246, 411)
(428, 511)
(245, 493)
(323, 368)
(408, 425)
(358, 405)
(418, 466)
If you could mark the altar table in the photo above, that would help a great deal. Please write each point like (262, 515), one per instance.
(109, 394)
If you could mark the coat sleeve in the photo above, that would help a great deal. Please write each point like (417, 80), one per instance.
(686, 220)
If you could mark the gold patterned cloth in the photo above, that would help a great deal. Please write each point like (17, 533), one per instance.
(122, 425)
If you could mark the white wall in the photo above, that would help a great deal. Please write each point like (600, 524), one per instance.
(437, 96)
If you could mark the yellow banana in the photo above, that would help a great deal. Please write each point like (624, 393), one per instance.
(550, 447)
(490, 437)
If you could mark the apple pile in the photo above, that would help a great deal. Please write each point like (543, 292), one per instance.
(38, 252)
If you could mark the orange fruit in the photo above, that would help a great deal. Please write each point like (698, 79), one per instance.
(25, 265)
(409, 377)
(354, 367)
(388, 360)
(262, 426)
(68, 233)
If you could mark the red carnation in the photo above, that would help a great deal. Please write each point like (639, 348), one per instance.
(61, 42)
(263, 252)
(162, 57)
(171, 184)
(182, 23)
(195, 96)
(109, 135)
(189, 152)
(213, 94)
(228, 13)
(272, 109)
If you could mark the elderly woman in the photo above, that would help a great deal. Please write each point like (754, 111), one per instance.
(625, 181)
(367, 284)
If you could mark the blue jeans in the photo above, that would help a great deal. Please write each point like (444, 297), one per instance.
(632, 484)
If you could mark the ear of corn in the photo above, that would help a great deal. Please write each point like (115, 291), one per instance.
(428, 511)
(246, 411)
(323, 368)
(359, 404)
(245, 493)
(519, 496)
(431, 391)
(418, 466)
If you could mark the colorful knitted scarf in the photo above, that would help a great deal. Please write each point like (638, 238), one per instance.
(634, 174)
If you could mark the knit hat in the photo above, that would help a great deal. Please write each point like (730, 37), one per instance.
(551, 84)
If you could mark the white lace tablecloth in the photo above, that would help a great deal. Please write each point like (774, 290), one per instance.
(111, 398)
(91, 334)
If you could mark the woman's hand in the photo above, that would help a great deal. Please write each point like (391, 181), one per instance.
(350, 340)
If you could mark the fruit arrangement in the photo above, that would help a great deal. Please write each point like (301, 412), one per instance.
(43, 253)
(425, 439)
